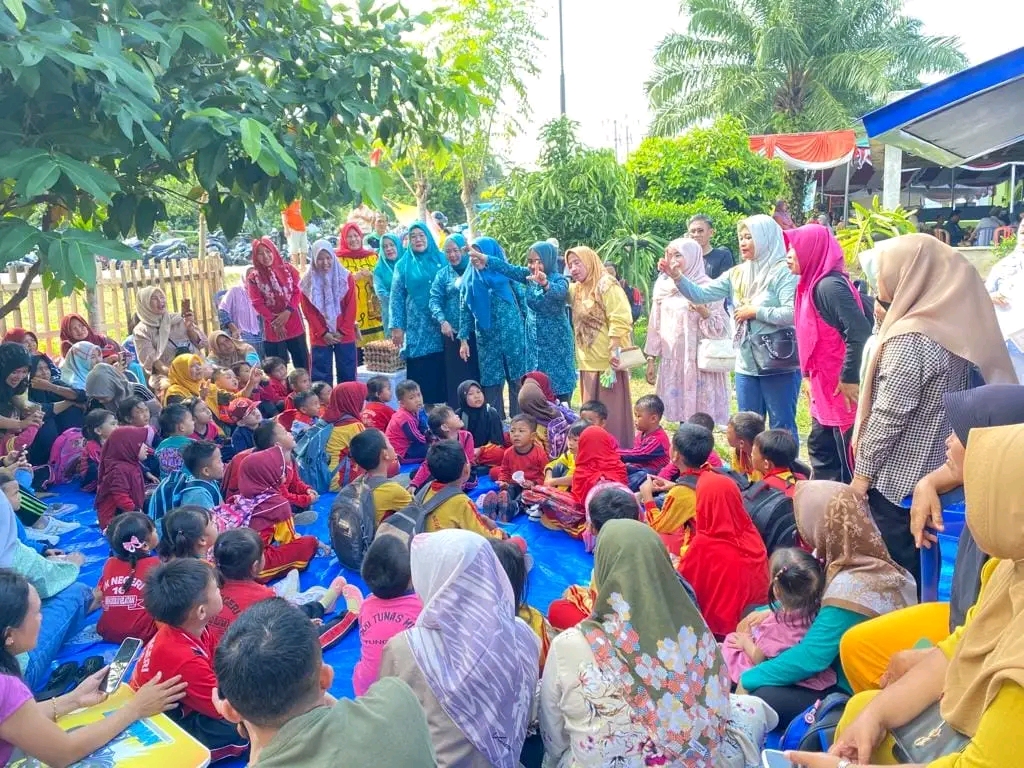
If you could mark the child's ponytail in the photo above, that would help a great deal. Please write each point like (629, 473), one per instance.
(183, 527)
(127, 536)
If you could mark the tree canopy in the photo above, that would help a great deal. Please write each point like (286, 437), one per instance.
(259, 101)
(790, 65)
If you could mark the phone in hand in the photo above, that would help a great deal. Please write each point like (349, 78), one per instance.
(122, 661)
(186, 307)
(772, 758)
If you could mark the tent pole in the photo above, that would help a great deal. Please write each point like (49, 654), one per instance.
(846, 193)
(1013, 185)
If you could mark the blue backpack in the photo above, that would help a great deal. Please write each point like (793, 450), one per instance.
(815, 729)
(310, 455)
(168, 494)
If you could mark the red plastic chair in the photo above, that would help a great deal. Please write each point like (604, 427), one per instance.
(1001, 234)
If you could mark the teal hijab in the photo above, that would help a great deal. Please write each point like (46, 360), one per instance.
(419, 269)
(385, 270)
(548, 256)
(479, 286)
(460, 241)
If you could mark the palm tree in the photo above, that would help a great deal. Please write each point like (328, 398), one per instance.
(790, 65)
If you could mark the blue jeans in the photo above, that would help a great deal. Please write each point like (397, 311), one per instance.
(771, 396)
(326, 359)
(63, 617)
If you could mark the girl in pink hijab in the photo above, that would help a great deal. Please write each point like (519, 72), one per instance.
(831, 328)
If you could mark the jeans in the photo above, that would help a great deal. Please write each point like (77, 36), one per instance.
(771, 396)
(336, 356)
(296, 348)
(63, 618)
(829, 451)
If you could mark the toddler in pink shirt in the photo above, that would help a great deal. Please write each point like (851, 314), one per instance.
(391, 608)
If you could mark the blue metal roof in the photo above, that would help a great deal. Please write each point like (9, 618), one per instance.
(960, 118)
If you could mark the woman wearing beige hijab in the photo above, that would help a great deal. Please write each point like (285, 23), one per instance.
(938, 336)
(162, 335)
(976, 675)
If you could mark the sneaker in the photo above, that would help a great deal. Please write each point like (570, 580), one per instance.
(533, 512)
(58, 509)
(353, 598)
(489, 504)
(35, 534)
(311, 595)
(306, 518)
(54, 527)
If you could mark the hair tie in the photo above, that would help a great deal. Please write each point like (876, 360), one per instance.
(132, 545)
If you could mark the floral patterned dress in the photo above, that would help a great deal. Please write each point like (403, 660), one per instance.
(502, 347)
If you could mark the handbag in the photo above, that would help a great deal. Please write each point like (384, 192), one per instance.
(716, 356)
(631, 357)
(775, 352)
(926, 738)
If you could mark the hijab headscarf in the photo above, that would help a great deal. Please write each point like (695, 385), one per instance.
(260, 479)
(588, 313)
(933, 290)
(326, 290)
(647, 632)
(120, 471)
(238, 305)
(16, 335)
(479, 660)
(276, 283)
(726, 562)
(596, 460)
(158, 323)
(239, 349)
(692, 258)
(533, 402)
(419, 269)
(66, 341)
(459, 241)
(81, 358)
(105, 382)
(994, 405)
(344, 252)
(346, 403)
(548, 257)
(544, 382)
(385, 269)
(819, 255)
(483, 423)
(990, 651)
(12, 357)
(480, 286)
(180, 376)
(860, 576)
(752, 277)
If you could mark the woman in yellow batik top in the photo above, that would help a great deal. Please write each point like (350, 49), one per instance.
(360, 261)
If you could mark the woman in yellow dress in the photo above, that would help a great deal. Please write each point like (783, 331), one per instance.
(360, 261)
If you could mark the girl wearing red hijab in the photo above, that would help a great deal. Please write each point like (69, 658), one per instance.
(831, 329)
(260, 505)
(360, 262)
(273, 288)
(75, 328)
(343, 410)
(726, 562)
(597, 460)
(122, 484)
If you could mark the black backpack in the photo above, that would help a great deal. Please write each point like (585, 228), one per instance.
(352, 521)
(741, 480)
(771, 509)
(406, 523)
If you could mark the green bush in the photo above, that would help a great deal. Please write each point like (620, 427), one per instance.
(668, 221)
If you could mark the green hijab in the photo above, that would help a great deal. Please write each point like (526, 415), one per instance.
(384, 272)
(647, 634)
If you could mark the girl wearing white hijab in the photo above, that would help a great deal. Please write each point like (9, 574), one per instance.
(471, 662)
(762, 290)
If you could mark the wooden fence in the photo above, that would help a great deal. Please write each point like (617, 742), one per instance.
(110, 304)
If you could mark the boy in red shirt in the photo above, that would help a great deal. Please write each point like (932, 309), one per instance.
(183, 598)
(650, 451)
(522, 467)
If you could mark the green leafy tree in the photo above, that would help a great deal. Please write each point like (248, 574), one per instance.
(790, 65)
(869, 225)
(580, 196)
(260, 102)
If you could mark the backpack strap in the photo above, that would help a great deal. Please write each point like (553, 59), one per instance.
(430, 505)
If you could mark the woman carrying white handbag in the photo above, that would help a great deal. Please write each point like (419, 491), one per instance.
(692, 341)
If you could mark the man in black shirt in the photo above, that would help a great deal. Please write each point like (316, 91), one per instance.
(956, 235)
(718, 260)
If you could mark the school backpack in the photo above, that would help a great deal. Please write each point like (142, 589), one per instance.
(406, 523)
(690, 480)
(558, 431)
(168, 494)
(65, 457)
(815, 729)
(311, 459)
(352, 521)
(769, 503)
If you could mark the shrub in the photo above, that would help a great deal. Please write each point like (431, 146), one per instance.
(668, 221)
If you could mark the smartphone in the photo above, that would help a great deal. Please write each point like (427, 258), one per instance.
(772, 758)
(186, 307)
(122, 661)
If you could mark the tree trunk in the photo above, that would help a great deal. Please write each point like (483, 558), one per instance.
(469, 201)
(798, 184)
(422, 191)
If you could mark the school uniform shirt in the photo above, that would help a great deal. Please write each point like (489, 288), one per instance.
(173, 651)
(272, 391)
(389, 497)
(124, 614)
(468, 447)
(531, 464)
(379, 621)
(242, 439)
(237, 596)
(405, 432)
(566, 461)
(649, 451)
(377, 415)
(457, 512)
(293, 489)
(337, 449)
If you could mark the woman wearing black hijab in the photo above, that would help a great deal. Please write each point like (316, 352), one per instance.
(20, 423)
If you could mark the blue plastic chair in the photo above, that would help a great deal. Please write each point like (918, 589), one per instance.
(931, 559)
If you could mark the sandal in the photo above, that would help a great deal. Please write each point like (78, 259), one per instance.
(59, 681)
